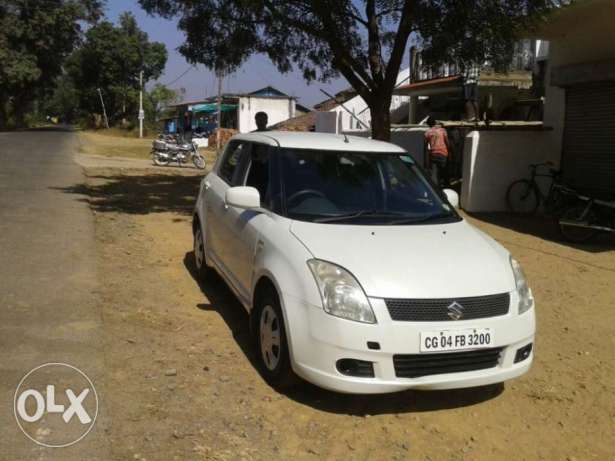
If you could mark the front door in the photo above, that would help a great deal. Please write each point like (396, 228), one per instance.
(246, 226)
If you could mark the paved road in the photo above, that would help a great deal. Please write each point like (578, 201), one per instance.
(48, 307)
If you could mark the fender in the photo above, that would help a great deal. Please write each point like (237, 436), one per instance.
(284, 265)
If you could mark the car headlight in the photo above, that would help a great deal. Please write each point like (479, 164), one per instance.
(526, 300)
(341, 294)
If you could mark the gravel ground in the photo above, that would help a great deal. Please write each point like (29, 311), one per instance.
(182, 383)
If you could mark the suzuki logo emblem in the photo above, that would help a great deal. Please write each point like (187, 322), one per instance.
(455, 311)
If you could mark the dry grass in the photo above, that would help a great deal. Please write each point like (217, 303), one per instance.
(121, 143)
(114, 143)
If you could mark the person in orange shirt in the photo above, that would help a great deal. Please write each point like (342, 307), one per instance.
(438, 147)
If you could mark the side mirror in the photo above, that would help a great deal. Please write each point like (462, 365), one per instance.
(243, 197)
(452, 197)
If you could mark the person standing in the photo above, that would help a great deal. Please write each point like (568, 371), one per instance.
(470, 92)
(438, 147)
(261, 120)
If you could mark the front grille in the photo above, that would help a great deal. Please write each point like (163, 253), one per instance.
(417, 365)
(437, 309)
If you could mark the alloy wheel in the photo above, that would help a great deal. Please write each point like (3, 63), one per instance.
(270, 337)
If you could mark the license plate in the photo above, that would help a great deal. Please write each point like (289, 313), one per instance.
(456, 340)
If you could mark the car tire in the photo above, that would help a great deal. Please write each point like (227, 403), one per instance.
(273, 355)
(200, 261)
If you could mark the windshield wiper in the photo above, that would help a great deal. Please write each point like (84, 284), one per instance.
(422, 219)
(358, 214)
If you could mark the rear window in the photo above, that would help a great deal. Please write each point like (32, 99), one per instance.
(231, 161)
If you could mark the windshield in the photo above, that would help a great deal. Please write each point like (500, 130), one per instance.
(358, 188)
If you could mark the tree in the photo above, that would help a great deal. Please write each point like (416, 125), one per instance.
(363, 40)
(63, 102)
(111, 59)
(158, 98)
(35, 38)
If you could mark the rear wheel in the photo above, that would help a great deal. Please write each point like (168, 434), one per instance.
(272, 346)
(522, 197)
(199, 253)
(159, 160)
(572, 221)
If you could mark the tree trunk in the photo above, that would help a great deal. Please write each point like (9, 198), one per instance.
(380, 112)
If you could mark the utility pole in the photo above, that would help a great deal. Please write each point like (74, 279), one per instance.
(103, 108)
(141, 113)
(219, 100)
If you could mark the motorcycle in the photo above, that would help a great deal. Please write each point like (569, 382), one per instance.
(587, 218)
(167, 149)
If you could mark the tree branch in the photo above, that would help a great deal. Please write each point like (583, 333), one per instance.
(399, 47)
(374, 47)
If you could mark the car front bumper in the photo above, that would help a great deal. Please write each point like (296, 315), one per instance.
(318, 340)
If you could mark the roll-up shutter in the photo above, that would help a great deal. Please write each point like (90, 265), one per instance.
(588, 158)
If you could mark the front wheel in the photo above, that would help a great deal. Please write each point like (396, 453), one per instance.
(574, 222)
(272, 346)
(198, 161)
(522, 197)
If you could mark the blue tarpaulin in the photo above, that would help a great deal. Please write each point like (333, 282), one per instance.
(212, 107)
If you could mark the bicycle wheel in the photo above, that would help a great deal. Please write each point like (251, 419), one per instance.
(571, 222)
(522, 197)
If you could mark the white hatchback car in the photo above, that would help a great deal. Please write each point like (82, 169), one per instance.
(358, 274)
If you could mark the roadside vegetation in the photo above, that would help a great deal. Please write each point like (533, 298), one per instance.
(113, 143)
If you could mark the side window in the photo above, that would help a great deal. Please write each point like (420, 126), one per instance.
(231, 161)
(259, 172)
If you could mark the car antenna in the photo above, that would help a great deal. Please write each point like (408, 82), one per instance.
(346, 138)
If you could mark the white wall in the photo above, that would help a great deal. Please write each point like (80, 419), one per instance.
(492, 160)
(277, 111)
(411, 139)
(358, 107)
(327, 122)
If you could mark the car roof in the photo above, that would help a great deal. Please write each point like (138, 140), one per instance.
(320, 141)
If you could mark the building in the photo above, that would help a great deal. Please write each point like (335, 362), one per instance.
(347, 111)
(577, 68)
(237, 110)
(580, 92)
(503, 95)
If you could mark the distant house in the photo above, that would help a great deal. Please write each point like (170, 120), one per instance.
(238, 110)
(347, 111)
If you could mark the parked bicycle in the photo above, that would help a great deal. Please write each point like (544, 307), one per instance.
(524, 196)
(587, 218)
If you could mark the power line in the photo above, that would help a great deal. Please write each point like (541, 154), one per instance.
(180, 76)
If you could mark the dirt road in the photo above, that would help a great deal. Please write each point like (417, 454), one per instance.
(183, 384)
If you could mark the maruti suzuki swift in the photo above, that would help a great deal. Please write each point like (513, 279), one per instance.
(357, 272)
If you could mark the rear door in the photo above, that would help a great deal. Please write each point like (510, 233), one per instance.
(229, 174)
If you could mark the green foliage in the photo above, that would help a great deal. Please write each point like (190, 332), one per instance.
(363, 40)
(111, 59)
(158, 98)
(35, 38)
(476, 31)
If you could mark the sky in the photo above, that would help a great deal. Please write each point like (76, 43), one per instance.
(200, 82)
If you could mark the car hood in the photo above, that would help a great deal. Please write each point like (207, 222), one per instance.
(415, 261)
